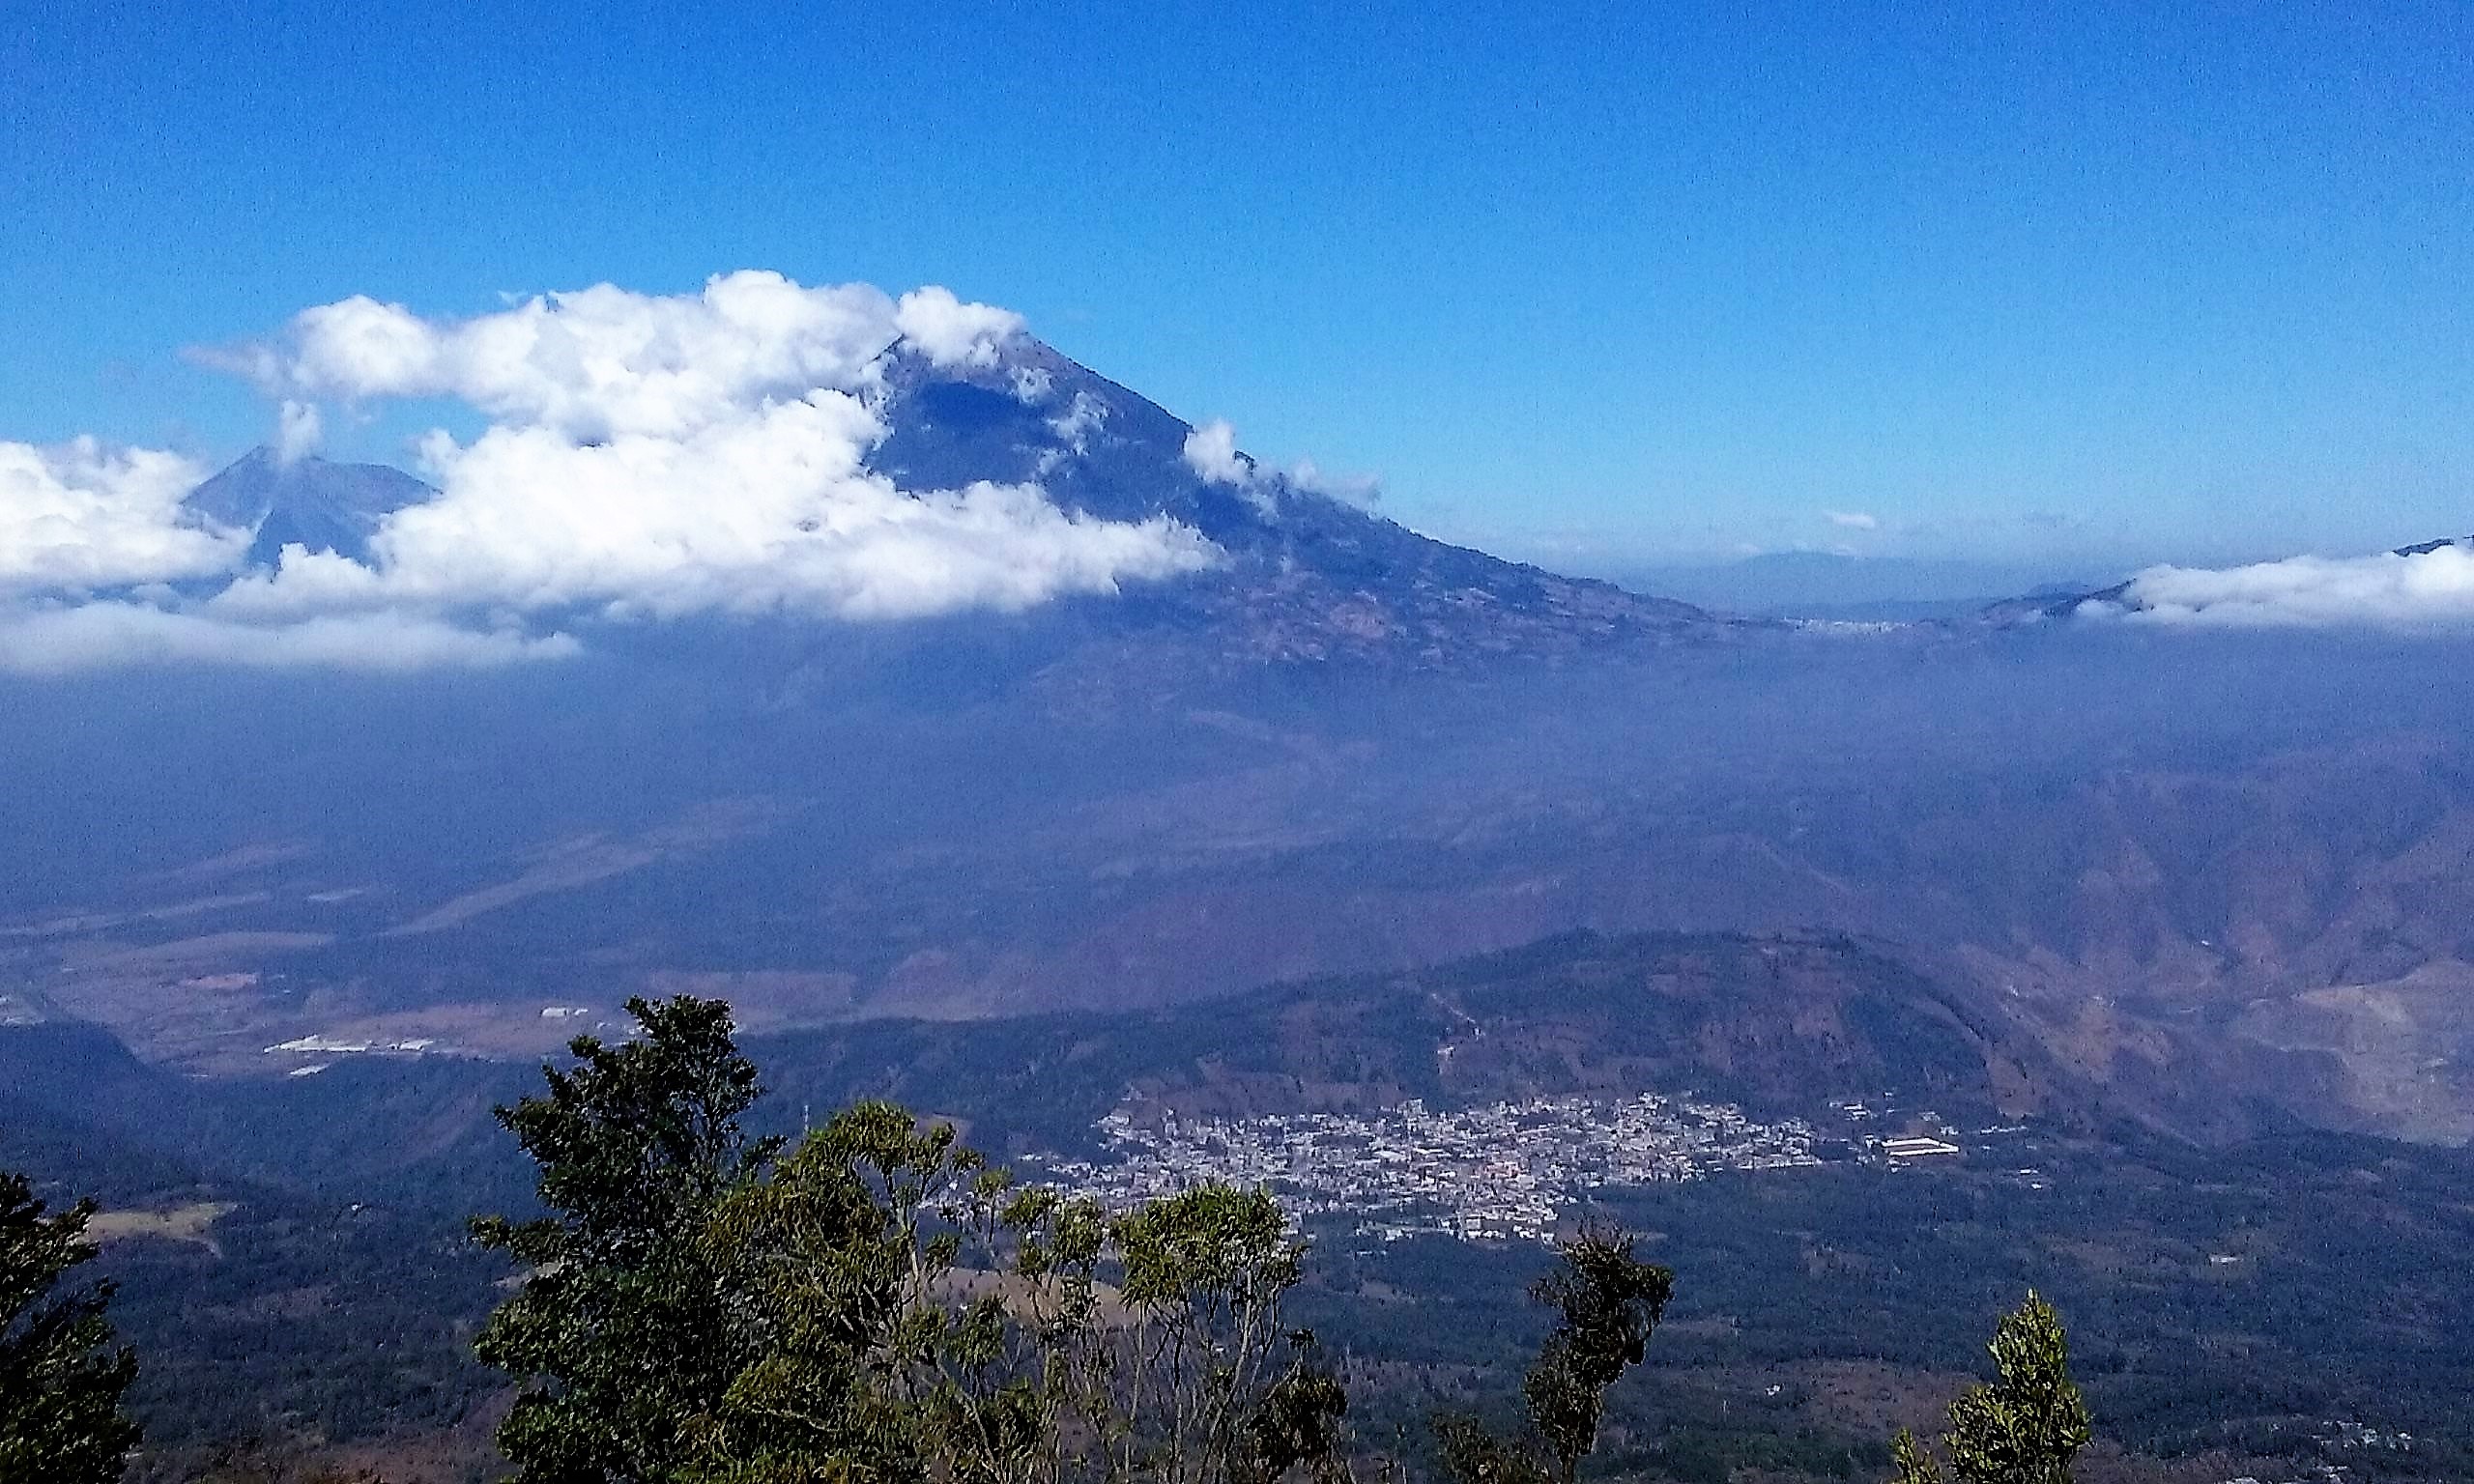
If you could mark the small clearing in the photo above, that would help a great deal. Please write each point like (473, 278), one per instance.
(180, 1223)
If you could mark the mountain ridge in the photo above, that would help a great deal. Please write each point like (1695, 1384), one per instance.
(1306, 576)
(309, 501)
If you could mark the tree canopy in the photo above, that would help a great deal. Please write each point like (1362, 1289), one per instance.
(2024, 1426)
(1607, 1303)
(61, 1377)
(706, 1307)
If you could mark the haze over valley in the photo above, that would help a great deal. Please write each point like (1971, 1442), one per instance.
(1236, 748)
(2212, 872)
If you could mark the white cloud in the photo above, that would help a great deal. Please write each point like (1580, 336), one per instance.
(298, 429)
(1072, 428)
(2428, 589)
(1362, 490)
(1852, 520)
(603, 362)
(80, 516)
(1211, 451)
(952, 334)
(646, 457)
(109, 635)
(661, 456)
(770, 513)
(1031, 385)
(763, 508)
(1075, 425)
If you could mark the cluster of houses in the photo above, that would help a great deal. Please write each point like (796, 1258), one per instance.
(1506, 1170)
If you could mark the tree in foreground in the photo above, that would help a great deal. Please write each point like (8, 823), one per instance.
(624, 1327)
(878, 1303)
(911, 1313)
(2023, 1427)
(1607, 1303)
(60, 1379)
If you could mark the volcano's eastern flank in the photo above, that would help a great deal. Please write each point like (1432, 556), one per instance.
(1307, 574)
(1298, 574)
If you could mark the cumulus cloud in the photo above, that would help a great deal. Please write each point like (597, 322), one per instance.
(604, 362)
(952, 334)
(2429, 588)
(1852, 520)
(645, 457)
(80, 516)
(768, 513)
(1074, 427)
(1211, 451)
(662, 456)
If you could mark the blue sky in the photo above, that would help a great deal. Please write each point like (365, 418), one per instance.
(1597, 284)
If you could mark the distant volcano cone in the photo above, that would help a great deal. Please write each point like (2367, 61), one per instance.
(308, 502)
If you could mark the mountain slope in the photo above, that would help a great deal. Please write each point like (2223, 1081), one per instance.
(309, 503)
(1310, 576)
(1307, 576)
(1784, 1024)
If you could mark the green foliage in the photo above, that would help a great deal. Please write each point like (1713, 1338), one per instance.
(1473, 1454)
(624, 1327)
(832, 1285)
(1607, 1303)
(908, 1312)
(60, 1383)
(876, 1304)
(1204, 1274)
(2024, 1427)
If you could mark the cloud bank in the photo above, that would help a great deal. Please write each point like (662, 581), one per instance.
(645, 457)
(83, 517)
(92, 636)
(2421, 589)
